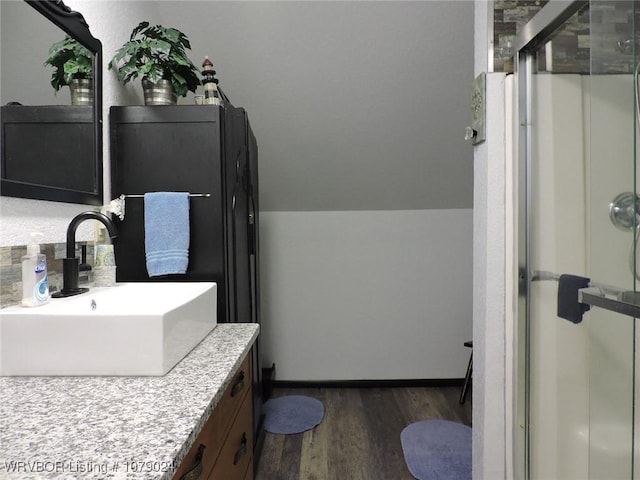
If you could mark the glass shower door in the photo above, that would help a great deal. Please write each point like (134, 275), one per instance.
(612, 181)
(579, 154)
(558, 243)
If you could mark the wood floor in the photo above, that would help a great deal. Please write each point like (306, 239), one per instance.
(359, 437)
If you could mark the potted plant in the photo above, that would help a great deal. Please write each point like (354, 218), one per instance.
(72, 65)
(158, 55)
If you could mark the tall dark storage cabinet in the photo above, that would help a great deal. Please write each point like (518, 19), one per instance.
(204, 149)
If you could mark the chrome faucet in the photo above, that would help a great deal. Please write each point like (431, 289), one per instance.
(70, 265)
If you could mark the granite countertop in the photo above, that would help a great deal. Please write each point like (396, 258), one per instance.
(116, 427)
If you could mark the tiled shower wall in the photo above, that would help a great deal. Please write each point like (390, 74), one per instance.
(11, 268)
(598, 40)
(508, 18)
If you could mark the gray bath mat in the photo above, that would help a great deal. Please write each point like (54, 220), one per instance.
(437, 450)
(292, 414)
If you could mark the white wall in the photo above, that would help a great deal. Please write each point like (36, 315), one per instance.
(491, 390)
(489, 291)
(20, 217)
(367, 295)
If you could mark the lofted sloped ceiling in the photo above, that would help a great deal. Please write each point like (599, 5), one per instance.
(355, 105)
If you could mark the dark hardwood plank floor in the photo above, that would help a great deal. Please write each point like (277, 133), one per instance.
(359, 437)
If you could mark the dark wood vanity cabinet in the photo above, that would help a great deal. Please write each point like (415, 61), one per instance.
(223, 449)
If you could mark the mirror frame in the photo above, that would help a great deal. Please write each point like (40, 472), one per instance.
(74, 24)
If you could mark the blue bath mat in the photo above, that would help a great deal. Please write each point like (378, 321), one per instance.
(437, 450)
(292, 414)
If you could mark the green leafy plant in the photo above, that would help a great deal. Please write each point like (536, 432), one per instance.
(70, 60)
(156, 53)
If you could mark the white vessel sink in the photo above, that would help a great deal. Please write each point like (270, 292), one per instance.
(129, 329)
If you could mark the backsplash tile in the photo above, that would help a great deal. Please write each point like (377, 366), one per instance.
(11, 268)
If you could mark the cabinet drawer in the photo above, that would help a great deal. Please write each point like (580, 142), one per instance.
(232, 398)
(203, 455)
(237, 451)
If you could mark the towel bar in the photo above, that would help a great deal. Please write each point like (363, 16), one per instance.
(116, 206)
(138, 195)
(541, 275)
(625, 302)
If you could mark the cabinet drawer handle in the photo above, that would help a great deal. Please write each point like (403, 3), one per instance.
(196, 469)
(237, 388)
(242, 451)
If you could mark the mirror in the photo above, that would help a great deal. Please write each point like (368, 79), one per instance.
(51, 149)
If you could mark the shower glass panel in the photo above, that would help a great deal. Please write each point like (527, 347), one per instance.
(558, 239)
(581, 137)
(612, 170)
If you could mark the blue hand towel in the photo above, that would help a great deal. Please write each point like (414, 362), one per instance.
(166, 232)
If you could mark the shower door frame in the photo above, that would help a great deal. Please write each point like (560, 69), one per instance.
(529, 39)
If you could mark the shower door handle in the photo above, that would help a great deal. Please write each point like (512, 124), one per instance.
(626, 303)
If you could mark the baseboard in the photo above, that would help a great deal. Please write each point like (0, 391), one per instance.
(420, 382)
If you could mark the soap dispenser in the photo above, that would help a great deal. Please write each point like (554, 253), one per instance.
(104, 270)
(35, 283)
